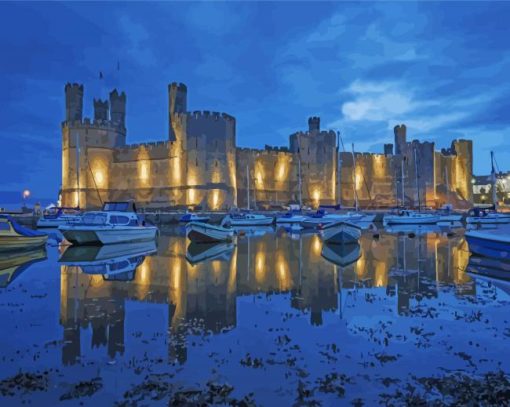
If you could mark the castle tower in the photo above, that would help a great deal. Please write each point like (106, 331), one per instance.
(177, 103)
(100, 110)
(314, 124)
(118, 108)
(400, 139)
(74, 102)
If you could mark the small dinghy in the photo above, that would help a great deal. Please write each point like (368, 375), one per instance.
(16, 237)
(494, 243)
(340, 232)
(200, 252)
(59, 216)
(193, 217)
(13, 263)
(205, 233)
(247, 219)
(116, 223)
(407, 217)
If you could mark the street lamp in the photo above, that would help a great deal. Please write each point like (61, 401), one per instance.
(26, 194)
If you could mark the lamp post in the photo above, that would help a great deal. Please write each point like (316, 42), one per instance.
(26, 194)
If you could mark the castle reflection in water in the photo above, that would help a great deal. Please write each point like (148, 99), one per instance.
(203, 294)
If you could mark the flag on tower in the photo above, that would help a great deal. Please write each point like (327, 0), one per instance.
(100, 75)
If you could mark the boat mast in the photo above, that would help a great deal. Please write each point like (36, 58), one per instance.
(447, 188)
(402, 178)
(338, 169)
(354, 179)
(248, 186)
(77, 148)
(416, 176)
(493, 182)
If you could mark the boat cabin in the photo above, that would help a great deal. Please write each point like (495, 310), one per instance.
(127, 206)
(110, 218)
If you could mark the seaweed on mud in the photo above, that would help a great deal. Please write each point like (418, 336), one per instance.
(457, 389)
(84, 388)
(333, 383)
(24, 383)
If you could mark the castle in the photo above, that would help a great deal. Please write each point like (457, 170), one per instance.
(201, 166)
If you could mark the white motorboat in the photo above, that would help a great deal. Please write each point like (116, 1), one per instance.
(290, 218)
(247, 219)
(116, 223)
(340, 232)
(193, 217)
(59, 216)
(407, 217)
(200, 252)
(365, 217)
(205, 233)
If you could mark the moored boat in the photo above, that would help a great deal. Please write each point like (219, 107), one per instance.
(16, 237)
(340, 232)
(193, 217)
(341, 255)
(321, 219)
(116, 223)
(408, 217)
(290, 218)
(247, 219)
(59, 216)
(487, 217)
(494, 243)
(205, 233)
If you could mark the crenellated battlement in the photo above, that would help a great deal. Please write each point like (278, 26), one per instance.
(208, 115)
(89, 124)
(178, 85)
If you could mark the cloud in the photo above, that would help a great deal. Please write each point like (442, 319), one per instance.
(138, 41)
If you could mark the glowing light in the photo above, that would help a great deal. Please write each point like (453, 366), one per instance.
(214, 199)
(283, 274)
(260, 262)
(317, 246)
(144, 171)
(26, 194)
(358, 178)
(191, 196)
(76, 199)
(99, 177)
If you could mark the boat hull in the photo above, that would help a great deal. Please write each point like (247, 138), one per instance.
(204, 233)
(82, 235)
(251, 222)
(290, 220)
(488, 220)
(488, 245)
(12, 243)
(410, 220)
(55, 223)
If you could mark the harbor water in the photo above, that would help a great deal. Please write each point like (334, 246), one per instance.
(275, 318)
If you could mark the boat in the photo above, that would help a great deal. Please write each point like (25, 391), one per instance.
(415, 229)
(193, 217)
(247, 219)
(200, 252)
(59, 216)
(487, 216)
(495, 272)
(321, 218)
(290, 218)
(117, 222)
(494, 243)
(205, 233)
(13, 263)
(117, 262)
(447, 215)
(408, 217)
(341, 255)
(340, 232)
(16, 237)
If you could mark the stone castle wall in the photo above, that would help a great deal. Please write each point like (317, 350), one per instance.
(201, 166)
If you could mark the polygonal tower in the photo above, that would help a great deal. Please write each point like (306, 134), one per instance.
(400, 139)
(118, 108)
(100, 110)
(177, 103)
(74, 102)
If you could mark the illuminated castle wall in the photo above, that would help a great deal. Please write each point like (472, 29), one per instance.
(201, 165)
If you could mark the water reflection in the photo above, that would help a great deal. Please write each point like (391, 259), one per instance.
(198, 284)
(12, 264)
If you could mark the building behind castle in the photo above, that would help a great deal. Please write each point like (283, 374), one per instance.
(200, 164)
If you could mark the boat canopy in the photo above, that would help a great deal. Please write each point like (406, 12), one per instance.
(20, 230)
(127, 206)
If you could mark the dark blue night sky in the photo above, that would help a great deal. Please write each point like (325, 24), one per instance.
(441, 68)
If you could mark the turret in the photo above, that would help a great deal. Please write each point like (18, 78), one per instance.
(400, 138)
(314, 124)
(177, 103)
(74, 102)
(100, 110)
(118, 108)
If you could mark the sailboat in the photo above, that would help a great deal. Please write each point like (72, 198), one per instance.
(247, 218)
(410, 217)
(489, 216)
(341, 233)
